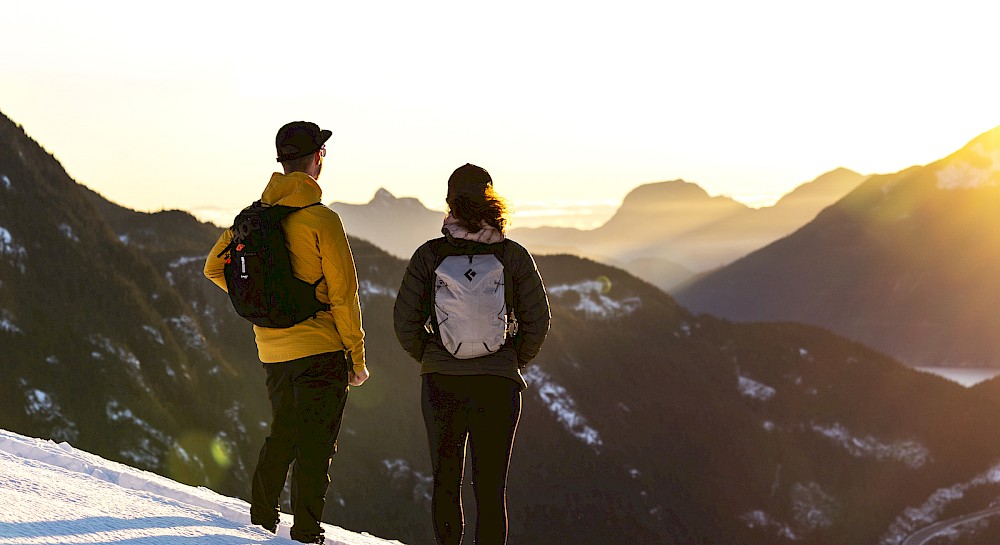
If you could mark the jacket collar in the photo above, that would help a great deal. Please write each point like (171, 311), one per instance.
(487, 234)
(295, 189)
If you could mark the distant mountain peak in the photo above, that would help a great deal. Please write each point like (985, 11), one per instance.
(383, 195)
(674, 189)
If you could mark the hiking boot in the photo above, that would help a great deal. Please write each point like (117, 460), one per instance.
(269, 525)
(318, 538)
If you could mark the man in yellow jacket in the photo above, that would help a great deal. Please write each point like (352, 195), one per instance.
(310, 364)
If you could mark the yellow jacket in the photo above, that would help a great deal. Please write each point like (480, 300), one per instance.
(318, 247)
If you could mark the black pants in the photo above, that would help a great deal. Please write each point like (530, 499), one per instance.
(307, 396)
(482, 410)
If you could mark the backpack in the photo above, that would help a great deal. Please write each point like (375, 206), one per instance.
(258, 270)
(471, 301)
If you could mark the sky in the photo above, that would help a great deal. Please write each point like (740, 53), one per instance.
(56, 494)
(175, 104)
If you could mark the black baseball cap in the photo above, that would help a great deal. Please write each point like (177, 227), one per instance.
(298, 139)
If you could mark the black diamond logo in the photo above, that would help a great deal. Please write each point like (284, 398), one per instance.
(470, 274)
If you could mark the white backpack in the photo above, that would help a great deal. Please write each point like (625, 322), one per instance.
(470, 305)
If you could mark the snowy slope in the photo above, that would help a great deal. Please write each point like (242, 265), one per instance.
(54, 493)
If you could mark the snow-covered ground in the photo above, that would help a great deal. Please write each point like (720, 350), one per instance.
(53, 493)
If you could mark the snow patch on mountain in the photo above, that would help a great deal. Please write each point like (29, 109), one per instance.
(188, 329)
(42, 406)
(107, 347)
(143, 453)
(154, 333)
(911, 453)
(7, 322)
(179, 263)
(812, 507)
(593, 299)
(964, 175)
(13, 251)
(760, 519)
(187, 260)
(914, 518)
(401, 475)
(111, 349)
(368, 288)
(67, 231)
(560, 404)
(755, 390)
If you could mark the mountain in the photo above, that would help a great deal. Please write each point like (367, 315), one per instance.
(643, 422)
(100, 347)
(397, 225)
(668, 232)
(905, 264)
(665, 232)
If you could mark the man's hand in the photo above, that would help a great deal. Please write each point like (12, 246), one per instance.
(358, 378)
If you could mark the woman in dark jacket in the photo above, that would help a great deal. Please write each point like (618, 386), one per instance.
(471, 391)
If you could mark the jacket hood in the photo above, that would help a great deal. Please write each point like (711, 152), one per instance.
(296, 189)
(487, 234)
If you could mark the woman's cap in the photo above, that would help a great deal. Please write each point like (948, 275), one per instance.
(298, 139)
(469, 176)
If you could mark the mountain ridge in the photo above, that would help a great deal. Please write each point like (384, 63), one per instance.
(664, 232)
(898, 264)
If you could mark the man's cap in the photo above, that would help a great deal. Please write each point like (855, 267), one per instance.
(469, 176)
(298, 139)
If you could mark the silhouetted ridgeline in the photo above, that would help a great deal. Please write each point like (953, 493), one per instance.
(906, 263)
(643, 422)
(664, 233)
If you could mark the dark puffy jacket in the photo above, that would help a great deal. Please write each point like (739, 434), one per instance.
(413, 308)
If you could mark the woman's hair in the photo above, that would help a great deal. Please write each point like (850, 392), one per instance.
(472, 206)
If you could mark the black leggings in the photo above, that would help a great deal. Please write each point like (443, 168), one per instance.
(482, 410)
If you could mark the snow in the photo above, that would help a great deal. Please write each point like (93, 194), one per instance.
(6, 181)
(760, 519)
(7, 322)
(812, 509)
(184, 261)
(594, 301)
(400, 472)
(917, 517)
(156, 334)
(911, 453)
(755, 390)
(53, 493)
(14, 251)
(368, 288)
(560, 404)
(42, 406)
(175, 264)
(187, 327)
(67, 230)
(963, 175)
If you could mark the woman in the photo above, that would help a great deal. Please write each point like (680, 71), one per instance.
(471, 358)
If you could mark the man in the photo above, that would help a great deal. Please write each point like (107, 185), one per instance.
(310, 364)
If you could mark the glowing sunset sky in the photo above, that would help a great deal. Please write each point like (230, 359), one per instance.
(176, 106)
